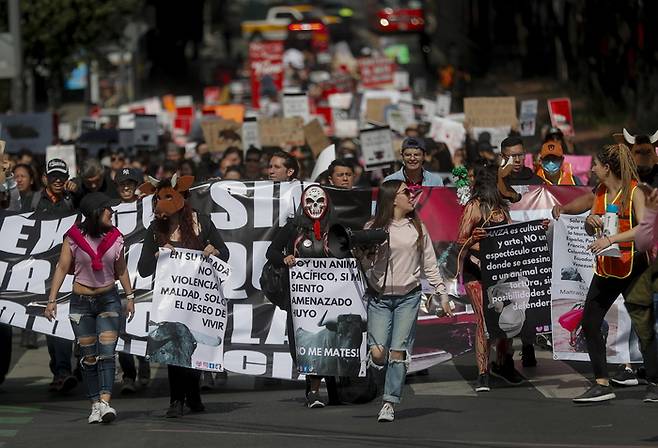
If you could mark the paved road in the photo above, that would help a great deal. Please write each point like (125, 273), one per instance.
(439, 410)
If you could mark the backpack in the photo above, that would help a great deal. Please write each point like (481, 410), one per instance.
(275, 284)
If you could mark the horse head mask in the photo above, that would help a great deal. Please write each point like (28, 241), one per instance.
(168, 194)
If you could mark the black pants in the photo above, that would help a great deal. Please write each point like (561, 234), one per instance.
(184, 385)
(5, 350)
(603, 291)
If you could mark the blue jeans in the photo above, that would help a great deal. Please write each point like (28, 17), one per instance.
(95, 322)
(392, 327)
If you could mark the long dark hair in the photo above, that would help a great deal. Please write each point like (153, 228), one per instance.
(385, 207)
(485, 190)
(187, 230)
(92, 225)
(620, 160)
(36, 183)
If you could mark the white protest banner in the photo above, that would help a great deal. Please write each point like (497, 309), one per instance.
(428, 108)
(296, 105)
(377, 147)
(329, 317)
(572, 275)
(250, 133)
(447, 131)
(66, 153)
(146, 130)
(401, 80)
(188, 317)
(443, 101)
(528, 117)
(326, 156)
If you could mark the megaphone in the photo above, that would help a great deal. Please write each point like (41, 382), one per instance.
(341, 240)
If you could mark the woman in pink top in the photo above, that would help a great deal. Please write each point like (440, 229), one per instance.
(93, 249)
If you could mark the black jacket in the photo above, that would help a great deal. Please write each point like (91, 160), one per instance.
(524, 177)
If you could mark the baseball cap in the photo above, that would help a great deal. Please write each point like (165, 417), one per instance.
(56, 166)
(551, 149)
(413, 142)
(125, 174)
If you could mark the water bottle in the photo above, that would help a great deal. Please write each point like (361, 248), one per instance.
(611, 220)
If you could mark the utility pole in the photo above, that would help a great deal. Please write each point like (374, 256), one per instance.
(15, 31)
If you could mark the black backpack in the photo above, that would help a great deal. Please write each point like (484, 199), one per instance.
(275, 284)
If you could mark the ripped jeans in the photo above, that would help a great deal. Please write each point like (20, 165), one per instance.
(392, 327)
(95, 322)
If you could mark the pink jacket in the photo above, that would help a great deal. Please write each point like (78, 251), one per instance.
(646, 235)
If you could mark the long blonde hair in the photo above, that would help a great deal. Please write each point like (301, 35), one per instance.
(620, 160)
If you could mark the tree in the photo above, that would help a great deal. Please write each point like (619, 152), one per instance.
(59, 33)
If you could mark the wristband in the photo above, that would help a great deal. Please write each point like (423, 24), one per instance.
(52, 301)
(130, 296)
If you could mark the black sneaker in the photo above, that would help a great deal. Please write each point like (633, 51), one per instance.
(652, 394)
(625, 377)
(528, 356)
(196, 407)
(595, 394)
(507, 373)
(68, 383)
(175, 410)
(482, 384)
(313, 400)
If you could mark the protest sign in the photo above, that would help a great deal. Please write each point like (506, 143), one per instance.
(65, 153)
(211, 95)
(296, 105)
(315, 137)
(408, 113)
(346, 128)
(528, 117)
(428, 108)
(250, 135)
(395, 119)
(559, 109)
(146, 130)
(189, 310)
(277, 131)
(266, 69)
(496, 134)
(218, 133)
(376, 72)
(572, 274)
(329, 318)
(65, 132)
(516, 275)
(126, 121)
(33, 131)
(447, 131)
(377, 147)
(233, 112)
(376, 110)
(401, 80)
(490, 112)
(340, 100)
(324, 159)
(443, 102)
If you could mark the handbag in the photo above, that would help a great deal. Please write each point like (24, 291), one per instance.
(572, 318)
(275, 284)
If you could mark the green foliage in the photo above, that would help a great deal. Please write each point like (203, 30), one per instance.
(461, 175)
(56, 33)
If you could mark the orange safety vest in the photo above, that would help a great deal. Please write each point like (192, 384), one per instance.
(617, 267)
(566, 175)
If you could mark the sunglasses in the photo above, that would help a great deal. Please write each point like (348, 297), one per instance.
(57, 178)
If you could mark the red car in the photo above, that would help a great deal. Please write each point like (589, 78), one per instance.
(397, 16)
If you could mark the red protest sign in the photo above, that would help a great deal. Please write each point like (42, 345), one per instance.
(265, 67)
(211, 95)
(559, 110)
(376, 71)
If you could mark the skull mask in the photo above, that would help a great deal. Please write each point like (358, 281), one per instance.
(314, 201)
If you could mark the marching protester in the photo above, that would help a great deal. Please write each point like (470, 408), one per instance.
(252, 158)
(412, 171)
(93, 250)
(512, 148)
(616, 194)
(28, 185)
(552, 167)
(341, 174)
(127, 180)
(305, 236)
(93, 178)
(486, 208)
(177, 225)
(283, 167)
(393, 273)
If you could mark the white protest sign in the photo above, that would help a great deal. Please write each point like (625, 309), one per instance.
(146, 130)
(127, 121)
(571, 277)
(377, 147)
(401, 80)
(250, 133)
(447, 131)
(346, 128)
(189, 310)
(406, 109)
(329, 317)
(325, 158)
(429, 108)
(296, 105)
(443, 101)
(498, 134)
(340, 100)
(65, 153)
(528, 117)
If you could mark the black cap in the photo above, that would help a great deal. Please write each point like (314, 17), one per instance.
(413, 142)
(125, 174)
(94, 201)
(56, 166)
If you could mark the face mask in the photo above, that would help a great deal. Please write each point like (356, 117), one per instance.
(551, 166)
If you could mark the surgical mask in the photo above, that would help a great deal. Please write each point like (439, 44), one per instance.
(551, 166)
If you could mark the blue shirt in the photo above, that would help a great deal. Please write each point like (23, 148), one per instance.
(429, 179)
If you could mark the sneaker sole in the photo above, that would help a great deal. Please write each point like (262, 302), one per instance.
(605, 397)
(511, 383)
(315, 405)
(650, 400)
(385, 420)
(482, 389)
(109, 417)
(633, 382)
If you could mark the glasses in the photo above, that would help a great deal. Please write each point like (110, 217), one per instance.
(405, 191)
(516, 156)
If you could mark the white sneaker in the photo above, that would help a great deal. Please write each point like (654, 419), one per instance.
(107, 412)
(95, 416)
(387, 413)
